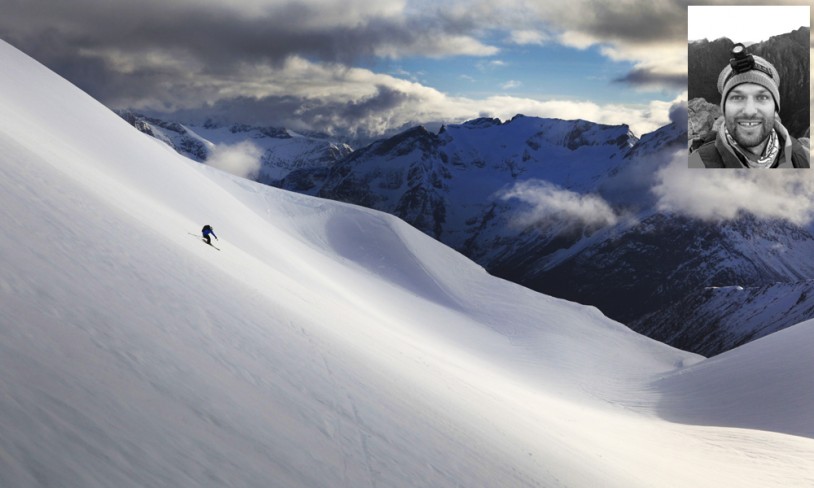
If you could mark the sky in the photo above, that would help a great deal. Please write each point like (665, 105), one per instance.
(366, 67)
(747, 24)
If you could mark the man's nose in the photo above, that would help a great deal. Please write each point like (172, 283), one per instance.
(749, 108)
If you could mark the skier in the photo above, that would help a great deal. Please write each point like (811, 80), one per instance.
(206, 231)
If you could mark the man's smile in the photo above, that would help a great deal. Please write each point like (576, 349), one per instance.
(750, 123)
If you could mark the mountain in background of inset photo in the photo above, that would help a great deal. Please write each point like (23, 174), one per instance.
(789, 53)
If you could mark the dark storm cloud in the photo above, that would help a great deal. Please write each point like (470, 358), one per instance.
(646, 77)
(93, 42)
(215, 34)
(641, 21)
(328, 116)
(272, 110)
(638, 22)
(385, 99)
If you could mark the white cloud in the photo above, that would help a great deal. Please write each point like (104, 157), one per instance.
(665, 58)
(490, 65)
(511, 84)
(321, 96)
(528, 36)
(549, 203)
(716, 195)
(442, 45)
(578, 40)
(241, 159)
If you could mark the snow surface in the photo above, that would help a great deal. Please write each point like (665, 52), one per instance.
(326, 344)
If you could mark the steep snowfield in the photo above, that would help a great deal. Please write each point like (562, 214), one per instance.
(325, 344)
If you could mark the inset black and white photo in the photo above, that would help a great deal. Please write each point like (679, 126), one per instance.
(748, 86)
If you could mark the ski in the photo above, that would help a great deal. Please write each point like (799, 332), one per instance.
(204, 241)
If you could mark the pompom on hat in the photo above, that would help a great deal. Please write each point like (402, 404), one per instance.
(755, 75)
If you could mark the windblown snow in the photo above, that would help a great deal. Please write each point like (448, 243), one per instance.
(325, 344)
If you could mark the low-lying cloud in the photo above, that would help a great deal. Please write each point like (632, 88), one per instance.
(242, 159)
(717, 195)
(549, 204)
(673, 189)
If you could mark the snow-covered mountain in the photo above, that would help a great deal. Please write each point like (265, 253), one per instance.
(713, 319)
(563, 207)
(324, 344)
(447, 184)
(280, 150)
(639, 275)
(566, 208)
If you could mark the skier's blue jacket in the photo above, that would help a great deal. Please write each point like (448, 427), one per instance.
(208, 230)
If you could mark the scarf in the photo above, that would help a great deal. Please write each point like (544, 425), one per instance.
(769, 152)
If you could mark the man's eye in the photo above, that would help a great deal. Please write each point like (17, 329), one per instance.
(763, 98)
(736, 97)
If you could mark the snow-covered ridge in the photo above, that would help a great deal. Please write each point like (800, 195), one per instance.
(557, 131)
(447, 184)
(281, 150)
(722, 318)
(324, 345)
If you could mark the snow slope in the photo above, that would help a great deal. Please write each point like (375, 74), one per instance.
(779, 362)
(325, 344)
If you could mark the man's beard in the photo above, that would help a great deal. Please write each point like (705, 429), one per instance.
(746, 137)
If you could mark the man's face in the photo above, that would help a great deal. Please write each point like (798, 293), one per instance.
(749, 114)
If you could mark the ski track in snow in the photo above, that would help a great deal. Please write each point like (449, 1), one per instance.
(326, 345)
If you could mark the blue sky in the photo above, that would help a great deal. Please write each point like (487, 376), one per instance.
(366, 67)
(551, 71)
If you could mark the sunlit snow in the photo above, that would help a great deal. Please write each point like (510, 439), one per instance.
(325, 345)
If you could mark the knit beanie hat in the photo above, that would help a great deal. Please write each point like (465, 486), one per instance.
(755, 75)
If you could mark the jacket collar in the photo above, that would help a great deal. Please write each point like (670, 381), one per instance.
(732, 160)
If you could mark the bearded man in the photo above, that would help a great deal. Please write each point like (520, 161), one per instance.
(751, 135)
